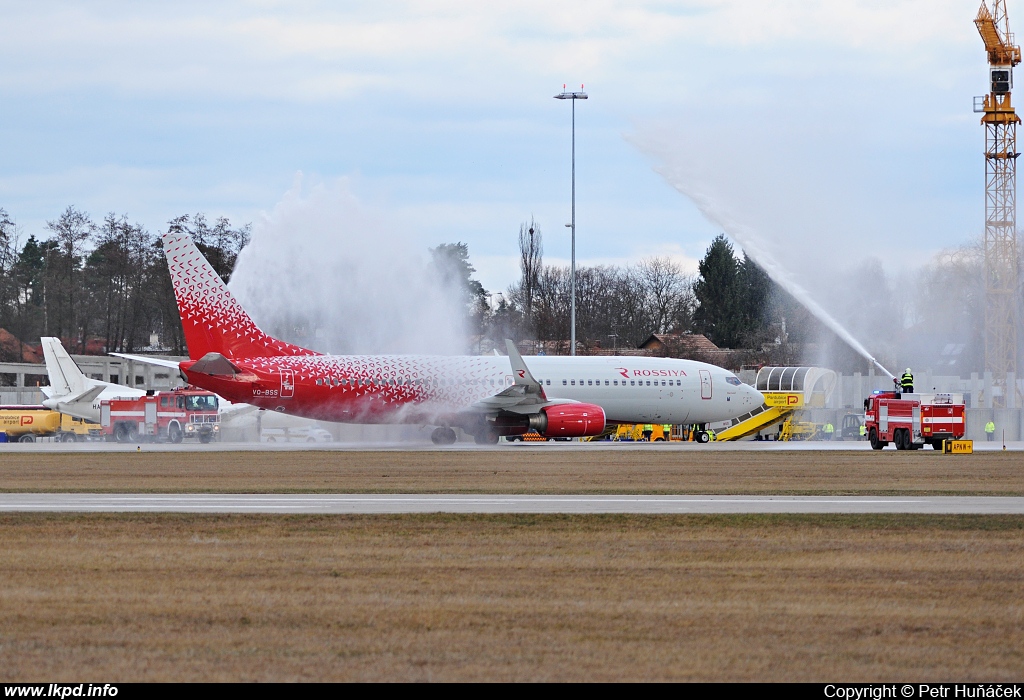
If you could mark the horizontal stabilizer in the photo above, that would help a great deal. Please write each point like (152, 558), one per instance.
(86, 397)
(145, 359)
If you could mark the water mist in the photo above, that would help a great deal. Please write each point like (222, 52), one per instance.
(326, 272)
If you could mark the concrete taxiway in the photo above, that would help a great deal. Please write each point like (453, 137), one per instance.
(484, 503)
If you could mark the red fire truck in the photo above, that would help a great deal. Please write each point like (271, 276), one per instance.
(168, 415)
(911, 421)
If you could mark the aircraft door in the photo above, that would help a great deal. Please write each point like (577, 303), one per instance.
(287, 383)
(705, 384)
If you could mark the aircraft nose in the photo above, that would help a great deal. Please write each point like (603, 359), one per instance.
(752, 395)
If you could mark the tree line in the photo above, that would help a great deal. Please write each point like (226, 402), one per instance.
(730, 300)
(101, 286)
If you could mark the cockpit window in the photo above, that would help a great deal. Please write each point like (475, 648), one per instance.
(735, 381)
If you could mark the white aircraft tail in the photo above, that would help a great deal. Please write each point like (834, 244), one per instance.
(66, 378)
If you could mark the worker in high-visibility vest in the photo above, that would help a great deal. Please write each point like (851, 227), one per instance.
(990, 431)
(829, 431)
(711, 435)
(907, 382)
(648, 430)
(667, 430)
(863, 430)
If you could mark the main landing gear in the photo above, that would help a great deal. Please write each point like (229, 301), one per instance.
(486, 437)
(443, 436)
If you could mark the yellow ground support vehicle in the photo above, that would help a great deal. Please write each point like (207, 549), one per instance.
(627, 432)
(27, 423)
(800, 430)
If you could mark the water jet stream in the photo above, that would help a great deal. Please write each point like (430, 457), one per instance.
(748, 240)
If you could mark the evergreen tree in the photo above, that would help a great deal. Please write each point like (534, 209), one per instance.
(454, 271)
(756, 292)
(719, 312)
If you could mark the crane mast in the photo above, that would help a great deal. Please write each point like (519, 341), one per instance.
(1001, 263)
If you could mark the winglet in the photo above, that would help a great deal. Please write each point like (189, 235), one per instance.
(521, 373)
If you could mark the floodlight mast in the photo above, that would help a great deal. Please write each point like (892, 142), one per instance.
(573, 95)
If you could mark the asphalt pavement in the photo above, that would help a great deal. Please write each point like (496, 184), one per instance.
(485, 503)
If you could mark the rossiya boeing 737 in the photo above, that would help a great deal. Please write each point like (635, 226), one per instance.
(486, 396)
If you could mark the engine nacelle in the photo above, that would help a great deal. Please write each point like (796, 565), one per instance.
(569, 420)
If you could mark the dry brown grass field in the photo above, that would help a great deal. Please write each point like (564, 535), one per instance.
(440, 597)
(519, 469)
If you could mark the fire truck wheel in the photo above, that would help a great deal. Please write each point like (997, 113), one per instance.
(27, 437)
(121, 432)
(174, 433)
(133, 433)
(205, 438)
(876, 444)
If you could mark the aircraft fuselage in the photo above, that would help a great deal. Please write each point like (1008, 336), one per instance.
(429, 389)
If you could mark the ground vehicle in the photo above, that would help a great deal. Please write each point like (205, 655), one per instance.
(303, 434)
(913, 420)
(795, 430)
(850, 429)
(487, 396)
(168, 415)
(26, 423)
(634, 432)
(534, 436)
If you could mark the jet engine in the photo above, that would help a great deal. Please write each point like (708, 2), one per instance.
(569, 420)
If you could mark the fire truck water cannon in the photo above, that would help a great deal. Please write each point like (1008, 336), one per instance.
(910, 421)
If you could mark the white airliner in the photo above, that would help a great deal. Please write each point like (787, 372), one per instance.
(486, 396)
(70, 390)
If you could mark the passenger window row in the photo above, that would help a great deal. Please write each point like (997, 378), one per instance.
(331, 381)
(615, 382)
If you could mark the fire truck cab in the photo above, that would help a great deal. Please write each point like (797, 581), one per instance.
(911, 421)
(170, 416)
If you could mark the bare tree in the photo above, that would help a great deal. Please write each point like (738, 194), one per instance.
(531, 260)
(668, 293)
(71, 230)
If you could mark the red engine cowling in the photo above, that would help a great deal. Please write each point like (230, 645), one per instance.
(570, 420)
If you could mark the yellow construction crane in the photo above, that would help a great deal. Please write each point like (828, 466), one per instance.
(1001, 266)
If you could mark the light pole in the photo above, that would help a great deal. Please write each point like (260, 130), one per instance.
(573, 95)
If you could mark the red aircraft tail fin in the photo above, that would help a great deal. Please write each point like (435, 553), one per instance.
(211, 317)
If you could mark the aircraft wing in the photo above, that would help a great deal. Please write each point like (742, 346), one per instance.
(525, 394)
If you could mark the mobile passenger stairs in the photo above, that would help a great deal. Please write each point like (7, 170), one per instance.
(786, 390)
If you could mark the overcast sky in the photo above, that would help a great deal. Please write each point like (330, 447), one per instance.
(833, 126)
